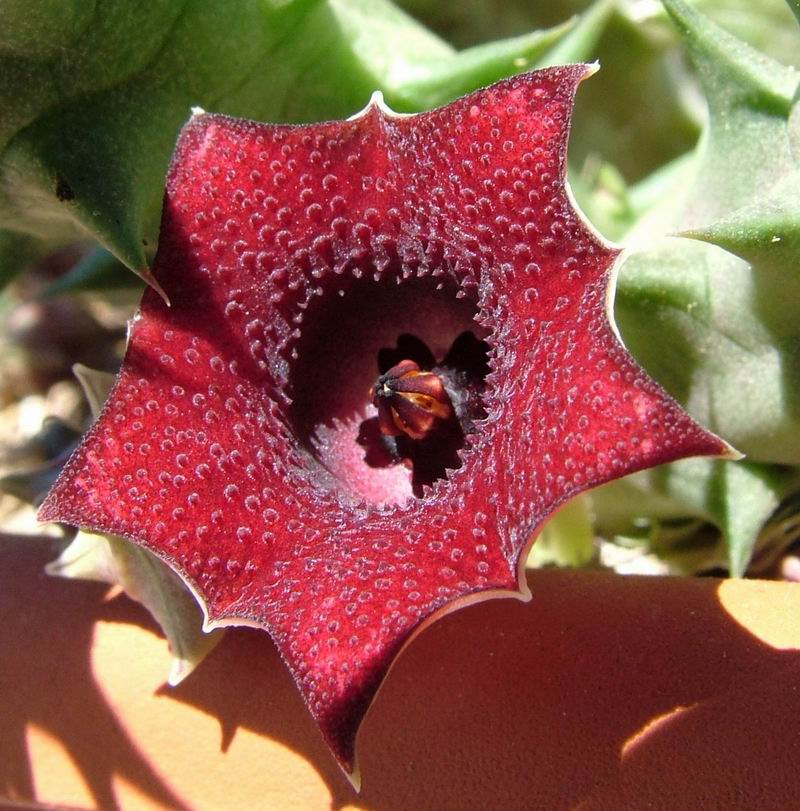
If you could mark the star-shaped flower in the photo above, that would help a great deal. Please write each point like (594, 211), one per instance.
(387, 360)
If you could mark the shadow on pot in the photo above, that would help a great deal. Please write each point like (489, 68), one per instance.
(601, 693)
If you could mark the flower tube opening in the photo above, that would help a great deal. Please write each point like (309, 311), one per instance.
(351, 335)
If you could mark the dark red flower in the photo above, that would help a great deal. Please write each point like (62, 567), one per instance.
(241, 444)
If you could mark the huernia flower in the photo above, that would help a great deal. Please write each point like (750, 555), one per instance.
(388, 358)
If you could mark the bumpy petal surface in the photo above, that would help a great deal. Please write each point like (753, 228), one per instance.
(291, 257)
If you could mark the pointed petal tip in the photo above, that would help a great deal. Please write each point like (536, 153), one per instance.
(345, 750)
(714, 447)
(377, 104)
(590, 68)
(354, 777)
(579, 70)
(47, 512)
(377, 100)
(350, 767)
(147, 275)
(730, 453)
